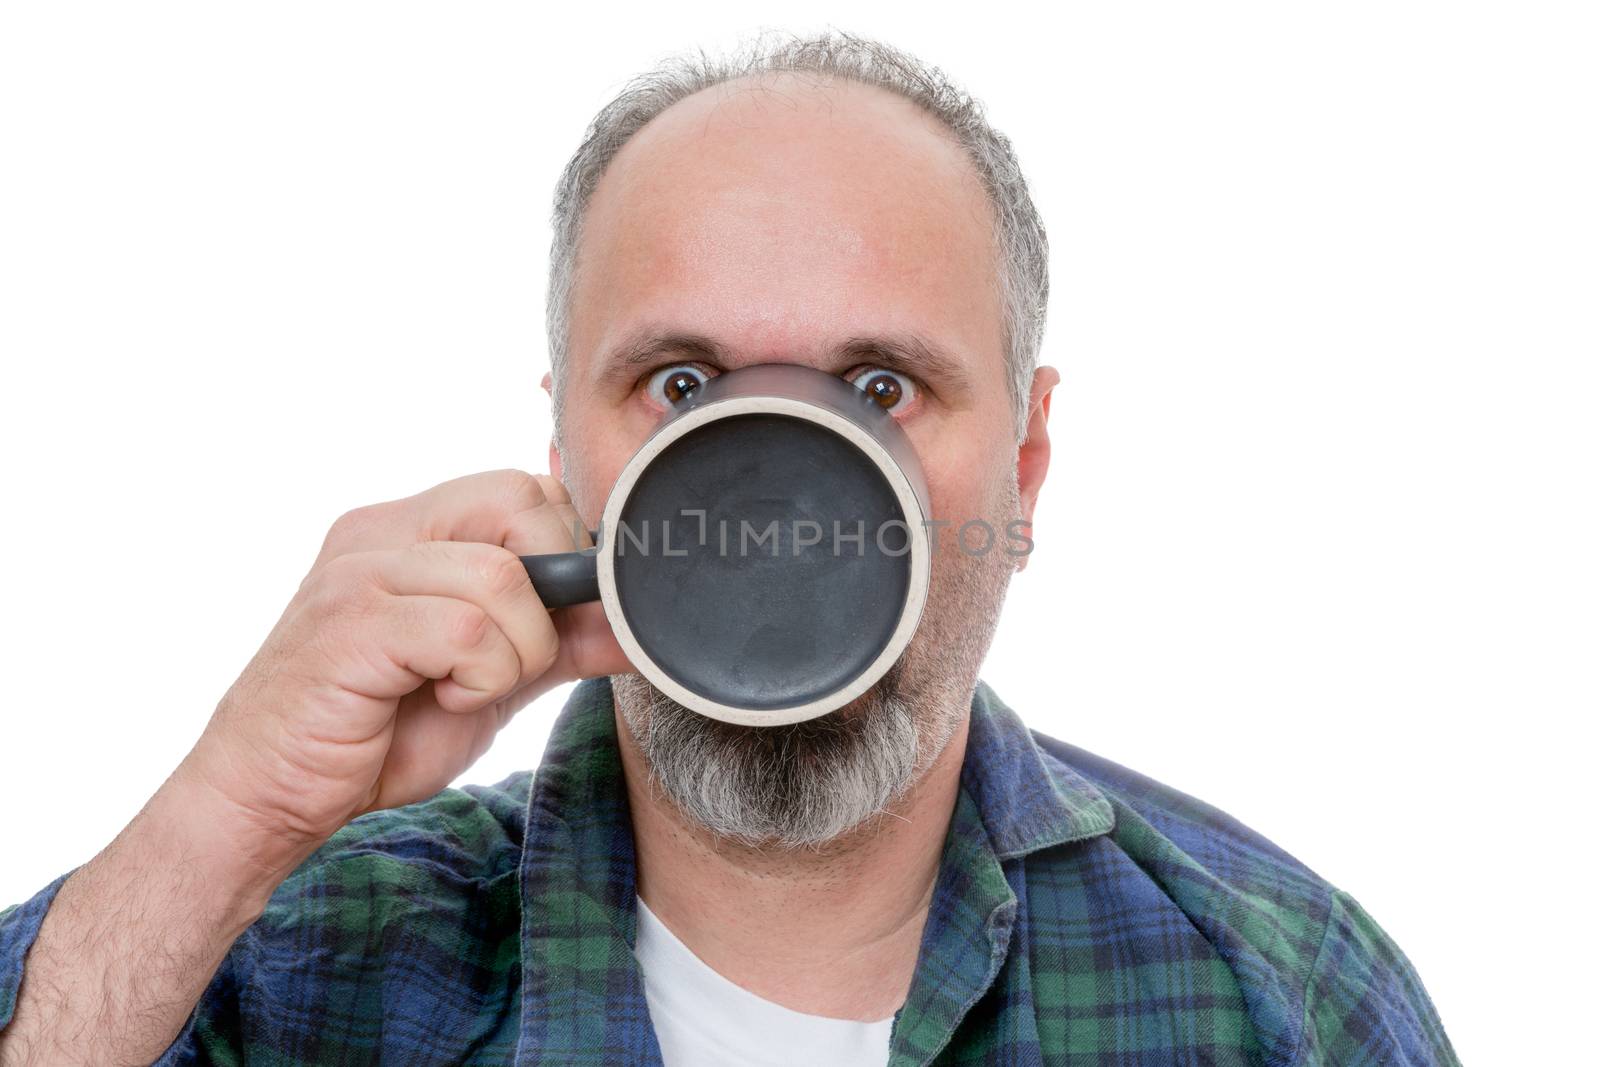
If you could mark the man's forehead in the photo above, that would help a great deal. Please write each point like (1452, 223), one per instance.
(782, 211)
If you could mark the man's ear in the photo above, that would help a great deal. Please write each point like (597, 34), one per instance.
(1033, 454)
(555, 453)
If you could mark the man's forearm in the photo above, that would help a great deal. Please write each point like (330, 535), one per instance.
(134, 936)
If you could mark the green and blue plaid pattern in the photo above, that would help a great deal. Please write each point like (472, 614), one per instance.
(1083, 915)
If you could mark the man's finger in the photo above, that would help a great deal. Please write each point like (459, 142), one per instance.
(476, 507)
(487, 576)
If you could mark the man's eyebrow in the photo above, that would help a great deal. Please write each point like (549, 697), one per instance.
(645, 347)
(908, 353)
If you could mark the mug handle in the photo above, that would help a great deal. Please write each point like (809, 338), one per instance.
(563, 579)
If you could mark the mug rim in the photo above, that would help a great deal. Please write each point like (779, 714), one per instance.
(906, 495)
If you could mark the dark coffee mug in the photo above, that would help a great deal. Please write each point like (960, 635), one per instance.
(763, 558)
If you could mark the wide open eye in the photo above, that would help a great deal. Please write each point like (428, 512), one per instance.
(671, 384)
(888, 389)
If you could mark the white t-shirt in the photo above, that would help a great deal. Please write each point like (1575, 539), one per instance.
(704, 1020)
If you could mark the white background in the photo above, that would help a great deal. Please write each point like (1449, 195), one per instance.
(1318, 543)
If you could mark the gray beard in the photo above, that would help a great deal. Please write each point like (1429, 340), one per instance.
(805, 784)
(791, 786)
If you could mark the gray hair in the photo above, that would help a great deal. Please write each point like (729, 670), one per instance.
(1023, 282)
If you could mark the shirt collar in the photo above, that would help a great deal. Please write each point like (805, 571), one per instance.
(1027, 798)
(583, 996)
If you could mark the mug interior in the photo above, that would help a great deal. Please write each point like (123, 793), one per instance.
(762, 561)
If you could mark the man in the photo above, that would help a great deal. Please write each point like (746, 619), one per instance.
(915, 878)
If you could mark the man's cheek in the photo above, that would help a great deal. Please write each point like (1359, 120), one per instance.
(593, 459)
(954, 505)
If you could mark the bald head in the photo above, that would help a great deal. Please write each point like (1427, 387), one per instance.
(816, 124)
(780, 215)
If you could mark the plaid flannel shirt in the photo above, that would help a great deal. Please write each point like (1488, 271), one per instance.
(1083, 914)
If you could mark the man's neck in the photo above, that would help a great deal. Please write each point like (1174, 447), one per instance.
(831, 931)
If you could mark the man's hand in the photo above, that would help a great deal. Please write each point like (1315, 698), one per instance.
(413, 639)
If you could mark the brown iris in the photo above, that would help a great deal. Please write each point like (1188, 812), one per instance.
(679, 385)
(884, 389)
